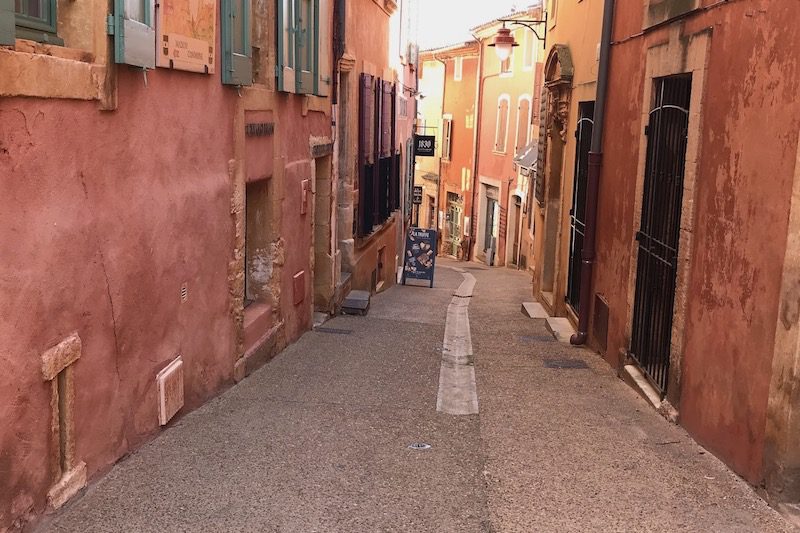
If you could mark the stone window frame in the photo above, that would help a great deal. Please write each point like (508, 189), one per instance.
(658, 11)
(81, 69)
(667, 59)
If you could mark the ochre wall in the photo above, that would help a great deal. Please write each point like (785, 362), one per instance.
(577, 26)
(491, 164)
(460, 103)
(747, 153)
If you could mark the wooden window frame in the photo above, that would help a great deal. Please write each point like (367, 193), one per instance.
(40, 29)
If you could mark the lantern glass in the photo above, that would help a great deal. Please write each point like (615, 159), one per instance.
(503, 51)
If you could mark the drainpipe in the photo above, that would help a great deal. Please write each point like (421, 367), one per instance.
(595, 165)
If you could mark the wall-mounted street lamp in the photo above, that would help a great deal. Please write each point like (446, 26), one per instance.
(504, 42)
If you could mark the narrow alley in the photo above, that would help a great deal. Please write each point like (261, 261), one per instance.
(320, 438)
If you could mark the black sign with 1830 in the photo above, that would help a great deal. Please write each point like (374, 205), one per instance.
(425, 145)
(419, 259)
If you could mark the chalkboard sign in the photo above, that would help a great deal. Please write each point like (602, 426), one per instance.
(419, 258)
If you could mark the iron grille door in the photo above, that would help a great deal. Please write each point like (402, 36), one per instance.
(659, 233)
(577, 214)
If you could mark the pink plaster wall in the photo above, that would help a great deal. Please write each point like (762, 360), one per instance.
(105, 215)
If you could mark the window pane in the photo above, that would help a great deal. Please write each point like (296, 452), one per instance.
(522, 124)
(306, 35)
(288, 27)
(529, 51)
(33, 8)
(135, 10)
(238, 26)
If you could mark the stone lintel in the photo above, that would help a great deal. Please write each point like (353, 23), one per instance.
(60, 356)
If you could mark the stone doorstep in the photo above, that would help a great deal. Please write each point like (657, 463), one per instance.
(356, 303)
(262, 352)
(561, 328)
(257, 321)
(534, 310)
(320, 318)
(634, 377)
(68, 486)
(342, 289)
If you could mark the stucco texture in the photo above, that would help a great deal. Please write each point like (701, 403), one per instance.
(105, 216)
(747, 145)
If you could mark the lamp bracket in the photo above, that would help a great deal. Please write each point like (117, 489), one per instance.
(531, 25)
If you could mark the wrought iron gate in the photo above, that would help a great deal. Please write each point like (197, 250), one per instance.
(577, 214)
(659, 233)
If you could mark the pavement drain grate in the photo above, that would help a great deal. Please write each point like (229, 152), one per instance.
(536, 338)
(566, 364)
(420, 446)
(335, 331)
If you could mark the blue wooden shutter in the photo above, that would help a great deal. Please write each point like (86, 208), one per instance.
(134, 36)
(305, 45)
(285, 63)
(237, 62)
(7, 29)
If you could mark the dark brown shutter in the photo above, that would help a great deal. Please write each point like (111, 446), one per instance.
(366, 162)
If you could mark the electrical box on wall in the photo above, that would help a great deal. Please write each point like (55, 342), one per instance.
(170, 390)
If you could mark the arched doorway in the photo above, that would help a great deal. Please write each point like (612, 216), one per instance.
(556, 98)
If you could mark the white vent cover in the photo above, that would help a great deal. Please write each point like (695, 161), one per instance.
(170, 390)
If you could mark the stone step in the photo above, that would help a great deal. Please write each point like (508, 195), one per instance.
(356, 303)
(561, 328)
(257, 321)
(534, 310)
(320, 318)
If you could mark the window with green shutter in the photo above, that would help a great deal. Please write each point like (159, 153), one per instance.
(237, 55)
(304, 46)
(134, 35)
(36, 20)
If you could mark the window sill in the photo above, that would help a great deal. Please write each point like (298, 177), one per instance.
(361, 242)
(497, 152)
(49, 71)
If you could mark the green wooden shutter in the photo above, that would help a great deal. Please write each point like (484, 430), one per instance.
(305, 46)
(7, 29)
(324, 41)
(134, 36)
(285, 64)
(237, 61)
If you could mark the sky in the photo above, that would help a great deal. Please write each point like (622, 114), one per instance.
(444, 22)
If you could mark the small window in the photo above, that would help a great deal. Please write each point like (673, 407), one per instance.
(505, 66)
(459, 69)
(447, 138)
(530, 50)
(36, 20)
(501, 134)
(523, 123)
